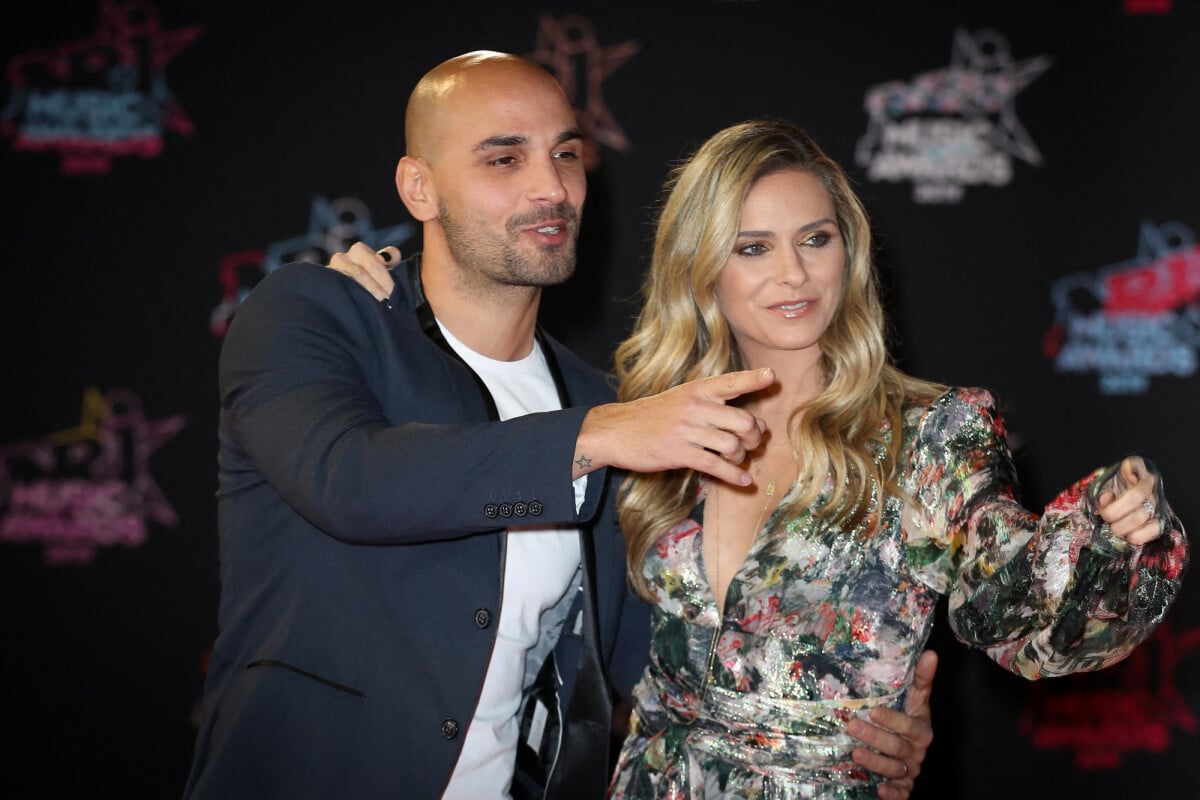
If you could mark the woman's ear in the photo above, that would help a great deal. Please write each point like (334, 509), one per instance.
(415, 185)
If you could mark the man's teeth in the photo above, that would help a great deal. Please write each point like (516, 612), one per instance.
(548, 229)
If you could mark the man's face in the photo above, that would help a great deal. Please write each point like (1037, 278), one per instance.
(510, 180)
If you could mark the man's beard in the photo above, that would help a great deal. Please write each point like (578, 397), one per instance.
(475, 250)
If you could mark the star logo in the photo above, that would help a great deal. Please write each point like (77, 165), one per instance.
(333, 226)
(98, 98)
(952, 127)
(570, 48)
(985, 58)
(90, 485)
(1134, 319)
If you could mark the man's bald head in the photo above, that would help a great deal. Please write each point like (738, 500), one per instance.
(459, 82)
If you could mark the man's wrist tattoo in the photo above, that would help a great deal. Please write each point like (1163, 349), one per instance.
(583, 462)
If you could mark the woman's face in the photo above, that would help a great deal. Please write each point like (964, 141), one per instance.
(780, 287)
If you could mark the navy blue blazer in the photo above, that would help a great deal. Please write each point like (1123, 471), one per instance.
(362, 501)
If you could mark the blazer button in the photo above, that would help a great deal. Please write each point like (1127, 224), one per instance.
(449, 728)
(491, 510)
(506, 510)
(535, 508)
(520, 509)
(483, 618)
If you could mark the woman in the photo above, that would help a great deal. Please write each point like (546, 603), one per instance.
(784, 609)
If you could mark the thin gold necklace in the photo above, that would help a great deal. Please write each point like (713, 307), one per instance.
(768, 493)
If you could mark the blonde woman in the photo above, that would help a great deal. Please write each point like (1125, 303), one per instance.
(785, 609)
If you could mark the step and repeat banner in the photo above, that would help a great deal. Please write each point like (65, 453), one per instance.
(1031, 169)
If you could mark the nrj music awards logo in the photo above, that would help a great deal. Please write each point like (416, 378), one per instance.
(570, 49)
(87, 487)
(333, 226)
(1135, 319)
(951, 128)
(98, 98)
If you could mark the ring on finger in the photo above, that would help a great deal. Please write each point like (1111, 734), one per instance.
(1148, 504)
(905, 763)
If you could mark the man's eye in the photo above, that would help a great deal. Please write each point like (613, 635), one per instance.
(567, 154)
(503, 161)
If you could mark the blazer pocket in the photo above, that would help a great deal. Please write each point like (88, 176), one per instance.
(270, 663)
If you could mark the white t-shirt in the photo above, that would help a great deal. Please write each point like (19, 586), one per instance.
(539, 564)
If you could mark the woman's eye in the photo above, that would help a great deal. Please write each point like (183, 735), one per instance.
(818, 239)
(752, 249)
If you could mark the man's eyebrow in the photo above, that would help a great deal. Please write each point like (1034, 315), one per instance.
(569, 134)
(502, 140)
(517, 140)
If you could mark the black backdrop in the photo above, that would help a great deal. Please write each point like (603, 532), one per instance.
(1031, 169)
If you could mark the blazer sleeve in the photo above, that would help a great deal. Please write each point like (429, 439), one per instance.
(1042, 596)
(301, 411)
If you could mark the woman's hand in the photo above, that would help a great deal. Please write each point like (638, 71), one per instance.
(1128, 504)
(369, 268)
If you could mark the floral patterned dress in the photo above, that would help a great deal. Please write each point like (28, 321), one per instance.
(820, 625)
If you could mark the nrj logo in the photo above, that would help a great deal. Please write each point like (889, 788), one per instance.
(332, 227)
(87, 487)
(950, 128)
(98, 98)
(1132, 320)
(570, 48)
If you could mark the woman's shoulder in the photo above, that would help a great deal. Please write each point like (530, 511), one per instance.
(942, 397)
(954, 408)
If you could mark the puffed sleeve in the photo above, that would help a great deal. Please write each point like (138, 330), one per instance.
(1041, 596)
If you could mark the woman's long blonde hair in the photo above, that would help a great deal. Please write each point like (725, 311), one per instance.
(680, 335)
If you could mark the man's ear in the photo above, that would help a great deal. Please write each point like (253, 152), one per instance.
(415, 185)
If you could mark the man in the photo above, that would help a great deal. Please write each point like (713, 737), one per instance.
(423, 587)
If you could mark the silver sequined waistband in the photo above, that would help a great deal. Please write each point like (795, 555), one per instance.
(773, 734)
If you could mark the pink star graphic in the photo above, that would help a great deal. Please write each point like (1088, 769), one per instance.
(107, 453)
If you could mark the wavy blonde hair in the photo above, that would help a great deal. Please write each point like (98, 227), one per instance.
(680, 335)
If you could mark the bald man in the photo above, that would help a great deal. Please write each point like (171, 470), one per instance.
(422, 581)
